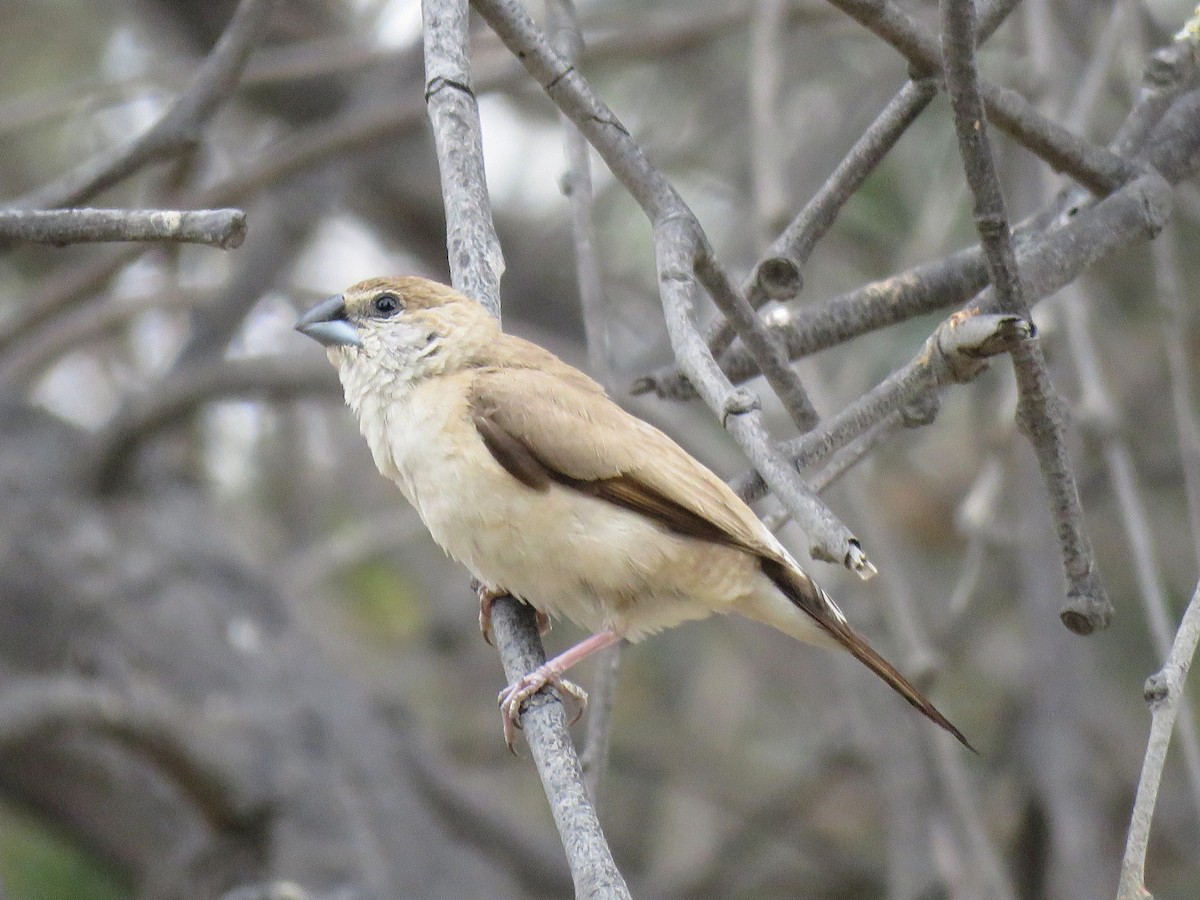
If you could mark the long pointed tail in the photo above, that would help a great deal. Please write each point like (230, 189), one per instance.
(808, 596)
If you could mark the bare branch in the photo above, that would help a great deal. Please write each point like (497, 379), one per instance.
(777, 275)
(178, 397)
(563, 25)
(224, 228)
(1164, 693)
(957, 351)
(545, 725)
(601, 700)
(577, 187)
(476, 264)
(476, 260)
(180, 128)
(1096, 168)
(1039, 409)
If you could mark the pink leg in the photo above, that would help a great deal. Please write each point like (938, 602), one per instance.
(486, 598)
(550, 673)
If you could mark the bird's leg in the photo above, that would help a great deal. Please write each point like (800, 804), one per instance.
(550, 673)
(487, 597)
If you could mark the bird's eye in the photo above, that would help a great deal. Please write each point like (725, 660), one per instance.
(386, 304)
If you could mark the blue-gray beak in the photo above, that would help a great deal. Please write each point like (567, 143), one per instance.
(326, 323)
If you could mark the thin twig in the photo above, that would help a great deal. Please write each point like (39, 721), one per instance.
(1164, 692)
(565, 35)
(601, 701)
(1096, 168)
(1039, 409)
(1176, 325)
(956, 352)
(563, 25)
(765, 76)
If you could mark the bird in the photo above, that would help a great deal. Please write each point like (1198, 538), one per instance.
(525, 471)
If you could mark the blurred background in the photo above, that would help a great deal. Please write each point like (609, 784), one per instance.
(231, 654)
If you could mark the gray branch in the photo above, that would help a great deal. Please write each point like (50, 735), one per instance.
(1039, 408)
(476, 264)
(1164, 693)
(224, 228)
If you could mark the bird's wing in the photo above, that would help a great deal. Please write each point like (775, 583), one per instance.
(544, 428)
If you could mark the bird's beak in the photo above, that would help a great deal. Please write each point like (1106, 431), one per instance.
(326, 323)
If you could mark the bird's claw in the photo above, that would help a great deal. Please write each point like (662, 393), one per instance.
(513, 697)
(487, 597)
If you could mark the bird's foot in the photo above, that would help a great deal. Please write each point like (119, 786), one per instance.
(513, 697)
(487, 597)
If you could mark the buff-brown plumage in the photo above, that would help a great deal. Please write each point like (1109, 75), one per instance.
(525, 471)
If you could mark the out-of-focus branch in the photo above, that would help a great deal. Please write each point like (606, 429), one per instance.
(517, 845)
(562, 22)
(563, 26)
(83, 325)
(1039, 409)
(1170, 71)
(181, 127)
(1176, 324)
(224, 228)
(1164, 693)
(1098, 414)
(476, 264)
(273, 378)
(60, 291)
(765, 76)
(146, 720)
(683, 256)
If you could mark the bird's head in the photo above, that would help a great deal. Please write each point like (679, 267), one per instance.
(408, 327)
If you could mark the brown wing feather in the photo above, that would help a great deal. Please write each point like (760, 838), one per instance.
(510, 452)
(579, 437)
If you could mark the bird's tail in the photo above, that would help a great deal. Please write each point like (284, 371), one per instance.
(808, 596)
